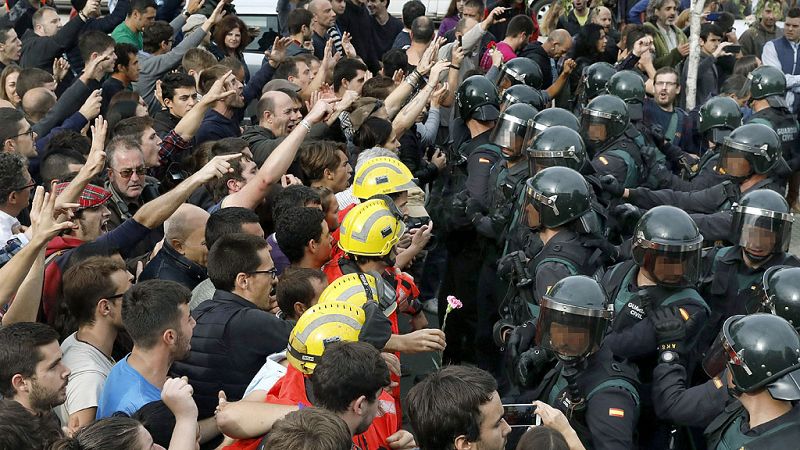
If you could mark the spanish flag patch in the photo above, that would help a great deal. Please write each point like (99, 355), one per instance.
(717, 382)
(603, 160)
(616, 412)
(484, 161)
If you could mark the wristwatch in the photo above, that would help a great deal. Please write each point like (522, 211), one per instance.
(668, 357)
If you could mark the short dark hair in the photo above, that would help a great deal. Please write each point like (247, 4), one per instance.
(228, 146)
(346, 371)
(393, 60)
(667, 70)
(12, 166)
(346, 68)
(209, 76)
(133, 127)
(231, 255)
(55, 164)
(709, 28)
(298, 18)
(437, 423)
(172, 81)
(151, 307)
(793, 12)
(69, 139)
(142, 5)
(295, 227)
(112, 432)
(123, 50)
(227, 221)
(9, 117)
(542, 438)
(422, 30)
(309, 428)
(4, 33)
(19, 428)
(93, 41)
(32, 77)
(735, 85)
(475, 4)
(295, 286)
(294, 196)
(412, 10)
(198, 59)
(19, 351)
(745, 65)
(86, 282)
(374, 132)
(224, 26)
(287, 68)
(633, 33)
(520, 24)
(155, 34)
(379, 87)
(316, 156)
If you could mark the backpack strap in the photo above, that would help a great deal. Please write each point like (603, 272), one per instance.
(632, 172)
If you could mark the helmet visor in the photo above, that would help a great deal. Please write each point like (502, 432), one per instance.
(569, 331)
(509, 133)
(594, 129)
(534, 203)
(675, 268)
(762, 232)
(721, 353)
(734, 162)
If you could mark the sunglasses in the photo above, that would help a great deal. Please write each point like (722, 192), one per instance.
(127, 173)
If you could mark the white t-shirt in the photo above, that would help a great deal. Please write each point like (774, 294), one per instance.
(89, 369)
(268, 375)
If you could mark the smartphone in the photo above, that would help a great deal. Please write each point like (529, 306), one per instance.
(733, 49)
(460, 42)
(521, 415)
(713, 16)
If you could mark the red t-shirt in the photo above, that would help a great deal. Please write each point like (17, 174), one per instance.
(291, 390)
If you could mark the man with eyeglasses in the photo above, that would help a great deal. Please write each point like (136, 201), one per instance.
(93, 290)
(127, 181)
(661, 110)
(235, 331)
(17, 136)
(15, 192)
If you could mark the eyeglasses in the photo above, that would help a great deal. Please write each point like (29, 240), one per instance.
(111, 297)
(127, 173)
(273, 272)
(665, 83)
(30, 185)
(29, 133)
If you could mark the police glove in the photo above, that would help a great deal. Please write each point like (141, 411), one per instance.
(520, 340)
(626, 216)
(532, 365)
(612, 186)
(670, 325)
(473, 208)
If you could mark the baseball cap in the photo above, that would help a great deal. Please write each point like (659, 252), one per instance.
(91, 196)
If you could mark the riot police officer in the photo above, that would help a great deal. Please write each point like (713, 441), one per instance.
(555, 116)
(466, 176)
(521, 93)
(761, 353)
(749, 156)
(781, 285)
(597, 391)
(629, 86)
(604, 123)
(519, 71)
(666, 252)
(592, 83)
(761, 229)
(767, 90)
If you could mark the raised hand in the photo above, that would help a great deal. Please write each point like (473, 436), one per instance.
(321, 109)
(216, 168)
(220, 89)
(44, 225)
(194, 5)
(96, 160)
(177, 396)
(91, 107)
(278, 52)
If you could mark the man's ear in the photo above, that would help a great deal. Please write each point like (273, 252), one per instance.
(241, 280)
(103, 307)
(170, 337)
(327, 174)
(461, 443)
(299, 309)
(358, 406)
(9, 145)
(18, 383)
(177, 244)
(233, 185)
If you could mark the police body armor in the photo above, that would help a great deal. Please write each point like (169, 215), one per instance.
(725, 433)
(783, 122)
(566, 248)
(626, 148)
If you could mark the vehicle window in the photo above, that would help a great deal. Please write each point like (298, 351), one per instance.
(268, 30)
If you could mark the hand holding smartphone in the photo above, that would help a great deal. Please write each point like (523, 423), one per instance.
(521, 415)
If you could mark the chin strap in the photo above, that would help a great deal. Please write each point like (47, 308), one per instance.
(571, 402)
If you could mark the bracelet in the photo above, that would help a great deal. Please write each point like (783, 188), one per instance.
(305, 123)
(453, 66)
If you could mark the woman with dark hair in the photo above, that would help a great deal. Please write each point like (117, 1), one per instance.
(452, 16)
(376, 132)
(8, 84)
(230, 38)
(122, 433)
(590, 46)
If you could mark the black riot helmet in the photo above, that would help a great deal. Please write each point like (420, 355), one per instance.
(628, 86)
(555, 116)
(554, 197)
(766, 81)
(520, 70)
(556, 146)
(751, 148)
(521, 93)
(761, 351)
(667, 245)
(595, 79)
(762, 220)
(573, 319)
(603, 119)
(719, 116)
(511, 128)
(477, 98)
(781, 286)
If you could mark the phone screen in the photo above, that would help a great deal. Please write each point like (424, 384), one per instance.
(521, 415)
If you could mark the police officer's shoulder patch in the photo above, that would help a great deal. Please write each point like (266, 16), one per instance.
(484, 161)
(603, 160)
(616, 412)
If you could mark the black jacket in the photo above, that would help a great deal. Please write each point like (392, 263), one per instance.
(536, 53)
(164, 122)
(171, 265)
(230, 343)
(40, 51)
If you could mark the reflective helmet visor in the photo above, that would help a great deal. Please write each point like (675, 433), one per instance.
(594, 128)
(669, 265)
(510, 133)
(721, 353)
(762, 232)
(570, 331)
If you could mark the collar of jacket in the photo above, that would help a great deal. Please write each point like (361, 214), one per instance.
(190, 267)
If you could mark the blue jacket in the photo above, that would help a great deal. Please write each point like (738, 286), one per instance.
(171, 265)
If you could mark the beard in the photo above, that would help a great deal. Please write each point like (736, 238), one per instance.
(184, 347)
(42, 399)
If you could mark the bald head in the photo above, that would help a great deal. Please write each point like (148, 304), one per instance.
(558, 43)
(323, 13)
(37, 102)
(184, 221)
(422, 30)
(602, 16)
(276, 113)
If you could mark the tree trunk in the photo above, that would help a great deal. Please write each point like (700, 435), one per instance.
(694, 53)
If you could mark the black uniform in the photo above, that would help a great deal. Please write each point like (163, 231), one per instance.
(562, 256)
(621, 158)
(678, 403)
(730, 430)
(784, 123)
